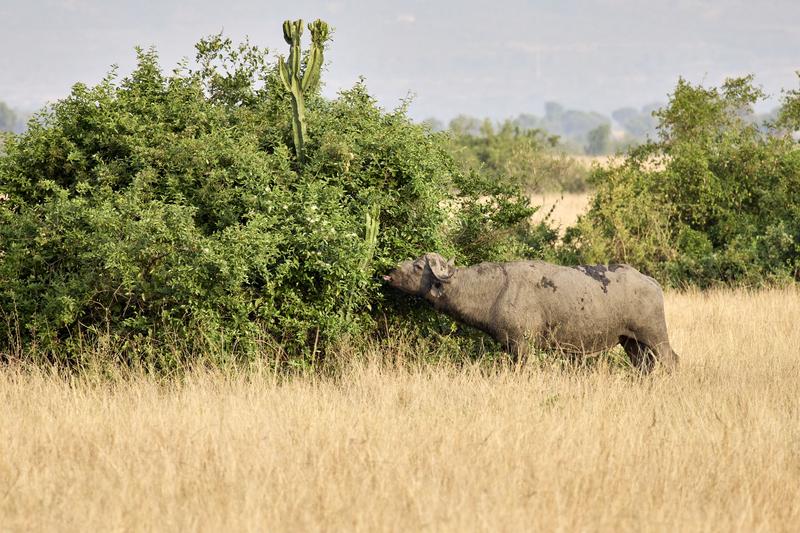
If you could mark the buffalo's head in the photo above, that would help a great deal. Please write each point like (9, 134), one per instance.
(423, 276)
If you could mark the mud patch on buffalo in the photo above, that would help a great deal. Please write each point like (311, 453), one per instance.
(598, 273)
(546, 283)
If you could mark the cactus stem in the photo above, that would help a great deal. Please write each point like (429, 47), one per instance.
(298, 83)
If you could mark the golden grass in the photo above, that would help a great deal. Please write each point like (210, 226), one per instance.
(561, 210)
(712, 447)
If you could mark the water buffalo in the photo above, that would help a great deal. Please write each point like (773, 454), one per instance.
(574, 309)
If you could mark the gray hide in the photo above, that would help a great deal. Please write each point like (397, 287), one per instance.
(577, 310)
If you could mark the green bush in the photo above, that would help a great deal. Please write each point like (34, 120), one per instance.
(161, 207)
(715, 200)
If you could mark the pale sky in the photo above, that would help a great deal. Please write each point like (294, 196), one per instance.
(495, 59)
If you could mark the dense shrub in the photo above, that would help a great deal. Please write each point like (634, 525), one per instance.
(716, 199)
(171, 206)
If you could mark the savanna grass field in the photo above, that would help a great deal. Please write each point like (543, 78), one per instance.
(386, 443)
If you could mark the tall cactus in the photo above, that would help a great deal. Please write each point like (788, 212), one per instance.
(371, 226)
(301, 83)
(371, 223)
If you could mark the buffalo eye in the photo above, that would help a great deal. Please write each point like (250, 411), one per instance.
(418, 266)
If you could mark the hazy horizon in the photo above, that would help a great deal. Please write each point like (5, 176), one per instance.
(455, 57)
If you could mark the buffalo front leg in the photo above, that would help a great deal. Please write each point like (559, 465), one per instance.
(641, 356)
(665, 355)
(644, 354)
(517, 348)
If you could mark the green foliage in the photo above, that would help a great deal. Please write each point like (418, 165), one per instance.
(494, 222)
(715, 199)
(789, 113)
(161, 207)
(527, 158)
(298, 83)
(232, 75)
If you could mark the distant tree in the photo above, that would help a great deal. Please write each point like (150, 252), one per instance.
(570, 123)
(465, 125)
(527, 121)
(553, 111)
(434, 124)
(639, 124)
(8, 118)
(505, 152)
(566, 128)
(599, 140)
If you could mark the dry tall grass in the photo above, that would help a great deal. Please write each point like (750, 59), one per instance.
(713, 447)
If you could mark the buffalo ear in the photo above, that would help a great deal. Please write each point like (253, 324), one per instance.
(442, 270)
